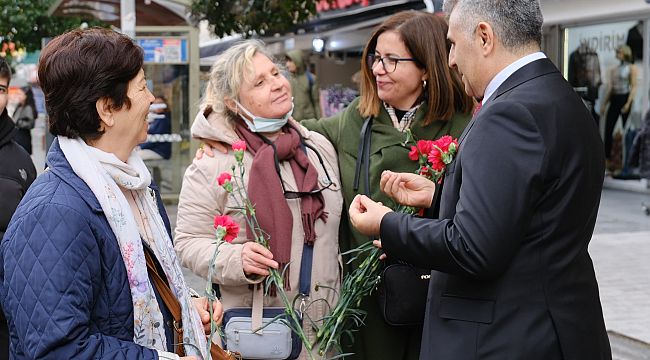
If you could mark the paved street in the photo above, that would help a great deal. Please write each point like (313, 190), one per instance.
(620, 250)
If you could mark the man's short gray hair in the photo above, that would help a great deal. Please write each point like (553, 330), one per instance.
(517, 23)
(228, 72)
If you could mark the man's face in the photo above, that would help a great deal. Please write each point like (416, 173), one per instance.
(4, 90)
(465, 55)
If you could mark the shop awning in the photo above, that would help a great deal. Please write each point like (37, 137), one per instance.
(148, 12)
(342, 29)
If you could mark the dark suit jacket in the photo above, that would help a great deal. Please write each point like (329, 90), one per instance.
(512, 277)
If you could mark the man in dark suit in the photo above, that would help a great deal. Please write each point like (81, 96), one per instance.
(512, 278)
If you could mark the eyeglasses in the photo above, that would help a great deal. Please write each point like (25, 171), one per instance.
(299, 194)
(388, 62)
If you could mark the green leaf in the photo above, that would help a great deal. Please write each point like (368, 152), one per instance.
(227, 17)
(26, 22)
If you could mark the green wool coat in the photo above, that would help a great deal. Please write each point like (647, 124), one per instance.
(377, 340)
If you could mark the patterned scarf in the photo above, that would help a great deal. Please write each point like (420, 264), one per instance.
(104, 174)
(406, 120)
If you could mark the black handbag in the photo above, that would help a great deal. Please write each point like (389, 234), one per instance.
(402, 290)
(402, 287)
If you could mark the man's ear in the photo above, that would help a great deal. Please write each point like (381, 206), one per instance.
(105, 110)
(485, 34)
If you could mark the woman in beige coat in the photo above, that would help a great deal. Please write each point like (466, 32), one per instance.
(249, 99)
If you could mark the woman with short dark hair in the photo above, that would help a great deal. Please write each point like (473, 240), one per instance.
(79, 258)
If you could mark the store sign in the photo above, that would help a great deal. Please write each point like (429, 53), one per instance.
(601, 39)
(327, 5)
(164, 50)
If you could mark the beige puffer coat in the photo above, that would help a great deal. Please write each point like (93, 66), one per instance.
(201, 198)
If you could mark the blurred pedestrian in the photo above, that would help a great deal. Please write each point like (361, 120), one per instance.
(160, 123)
(304, 87)
(79, 260)
(25, 117)
(17, 173)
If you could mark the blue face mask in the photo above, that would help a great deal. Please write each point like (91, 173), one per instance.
(263, 125)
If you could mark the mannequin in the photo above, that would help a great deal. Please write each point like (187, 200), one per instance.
(619, 94)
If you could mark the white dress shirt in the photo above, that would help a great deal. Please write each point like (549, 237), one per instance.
(504, 74)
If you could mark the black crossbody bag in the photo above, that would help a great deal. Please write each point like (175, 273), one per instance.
(402, 287)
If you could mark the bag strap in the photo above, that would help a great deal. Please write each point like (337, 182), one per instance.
(306, 269)
(167, 297)
(363, 156)
(257, 308)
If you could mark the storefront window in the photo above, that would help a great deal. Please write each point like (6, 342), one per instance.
(604, 63)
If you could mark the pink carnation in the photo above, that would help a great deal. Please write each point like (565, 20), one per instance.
(224, 178)
(230, 226)
(239, 145)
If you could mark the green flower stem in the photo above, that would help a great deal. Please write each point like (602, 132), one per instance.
(357, 285)
(211, 296)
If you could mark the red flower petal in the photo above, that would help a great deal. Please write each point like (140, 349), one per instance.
(239, 145)
(232, 228)
(223, 178)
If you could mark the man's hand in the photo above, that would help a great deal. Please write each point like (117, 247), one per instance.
(256, 259)
(366, 215)
(208, 146)
(408, 189)
(377, 244)
(202, 306)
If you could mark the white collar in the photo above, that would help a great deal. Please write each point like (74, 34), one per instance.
(504, 74)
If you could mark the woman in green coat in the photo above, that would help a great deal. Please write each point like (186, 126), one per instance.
(406, 84)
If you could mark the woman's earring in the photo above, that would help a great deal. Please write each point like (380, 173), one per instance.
(424, 84)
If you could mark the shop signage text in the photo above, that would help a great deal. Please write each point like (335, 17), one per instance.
(327, 5)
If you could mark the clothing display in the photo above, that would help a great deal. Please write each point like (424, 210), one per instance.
(620, 93)
(336, 98)
(640, 151)
(635, 41)
(584, 72)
